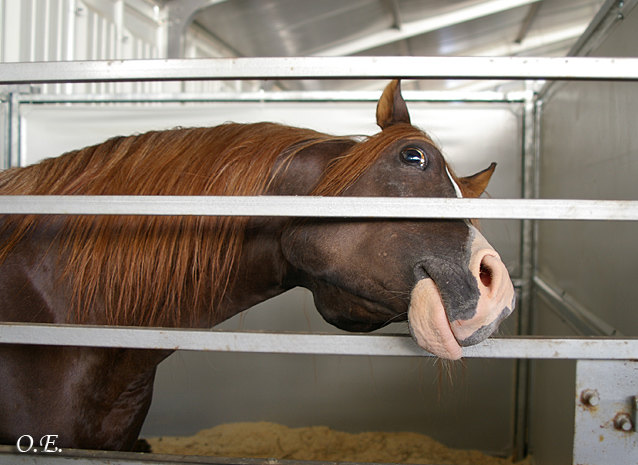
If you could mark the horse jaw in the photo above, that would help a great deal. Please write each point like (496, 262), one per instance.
(437, 330)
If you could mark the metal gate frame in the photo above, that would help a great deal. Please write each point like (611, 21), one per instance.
(611, 409)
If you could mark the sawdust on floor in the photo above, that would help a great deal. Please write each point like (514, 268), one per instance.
(319, 443)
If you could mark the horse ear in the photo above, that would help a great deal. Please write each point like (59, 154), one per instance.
(391, 108)
(474, 186)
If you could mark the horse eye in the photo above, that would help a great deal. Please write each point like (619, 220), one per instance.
(415, 157)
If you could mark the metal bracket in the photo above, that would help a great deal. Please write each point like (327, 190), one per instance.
(605, 417)
(180, 15)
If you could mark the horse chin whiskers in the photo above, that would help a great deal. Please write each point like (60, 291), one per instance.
(399, 317)
(395, 296)
(446, 372)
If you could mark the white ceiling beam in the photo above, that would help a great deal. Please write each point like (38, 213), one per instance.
(415, 28)
(527, 22)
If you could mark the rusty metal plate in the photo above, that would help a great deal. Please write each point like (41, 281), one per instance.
(605, 423)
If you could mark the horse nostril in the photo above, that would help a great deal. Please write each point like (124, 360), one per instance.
(485, 273)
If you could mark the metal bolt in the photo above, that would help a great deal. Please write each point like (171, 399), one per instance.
(590, 397)
(621, 5)
(622, 422)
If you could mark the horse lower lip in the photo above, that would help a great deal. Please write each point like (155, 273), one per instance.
(429, 324)
(484, 332)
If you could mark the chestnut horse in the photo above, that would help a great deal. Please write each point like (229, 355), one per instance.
(440, 275)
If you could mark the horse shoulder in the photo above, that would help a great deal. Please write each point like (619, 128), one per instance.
(31, 286)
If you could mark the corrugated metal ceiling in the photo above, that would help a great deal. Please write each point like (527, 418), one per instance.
(396, 27)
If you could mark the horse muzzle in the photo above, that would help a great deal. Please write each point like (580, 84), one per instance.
(444, 331)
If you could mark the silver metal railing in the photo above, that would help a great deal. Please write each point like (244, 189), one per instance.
(302, 343)
(330, 207)
(578, 68)
(623, 69)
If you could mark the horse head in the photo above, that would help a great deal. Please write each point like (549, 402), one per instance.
(441, 275)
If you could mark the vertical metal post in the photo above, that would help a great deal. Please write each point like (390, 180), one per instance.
(5, 134)
(69, 36)
(529, 164)
(13, 131)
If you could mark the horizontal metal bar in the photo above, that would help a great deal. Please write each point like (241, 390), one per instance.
(580, 68)
(10, 456)
(283, 96)
(301, 343)
(331, 207)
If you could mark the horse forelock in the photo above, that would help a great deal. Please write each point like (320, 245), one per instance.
(344, 171)
(154, 270)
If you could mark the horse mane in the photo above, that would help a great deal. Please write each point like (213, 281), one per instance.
(168, 270)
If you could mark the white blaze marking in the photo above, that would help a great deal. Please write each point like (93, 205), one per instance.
(457, 189)
(459, 194)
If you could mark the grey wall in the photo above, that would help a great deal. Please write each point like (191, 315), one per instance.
(589, 151)
(200, 390)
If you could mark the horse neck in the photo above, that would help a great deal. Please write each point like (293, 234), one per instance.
(262, 271)
(172, 295)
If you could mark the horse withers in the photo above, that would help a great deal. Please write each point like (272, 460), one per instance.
(442, 276)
